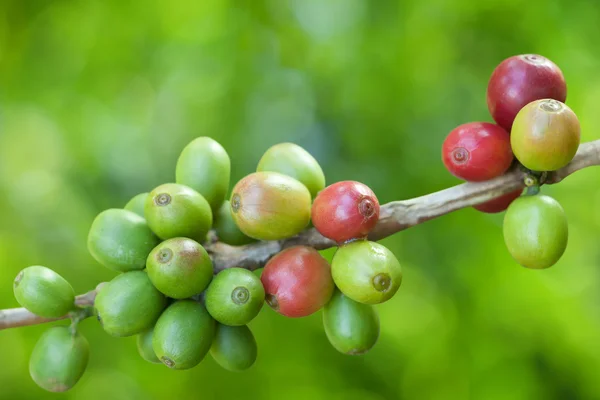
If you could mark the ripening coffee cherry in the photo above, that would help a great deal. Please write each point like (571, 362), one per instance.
(297, 281)
(59, 359)
(137, 203)
(477, 151)
(545, 135)
(174, 210)
(227, 231)
(144, 346)
(351, 327)
(129, 304)
(179, 268)
(204, 166)
(120, 240)
(519, 80)
(270, 206)
(292, 160)
(367, 272)
(345, 210)
(536, 231)
(183, 334)
(234, 347)
(44, 292)
(234, 297)
(498, 204)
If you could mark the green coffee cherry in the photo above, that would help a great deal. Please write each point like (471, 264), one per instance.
(366, 272)
(121, 240)
(235, 296)
(183, 334)
(351, 327)
(129, 304)
(204, 166)
(292, 160)
(270, 206)
(44, 292)
(179, 268)
(144, 346)
(234, 347)
(536, 231)
(59, 359)
(174, 210)
(227, 231)
(136, 204)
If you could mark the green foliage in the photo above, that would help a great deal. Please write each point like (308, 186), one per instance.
(99, 98)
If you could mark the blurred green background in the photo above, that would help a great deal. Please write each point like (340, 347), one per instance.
(97, 99)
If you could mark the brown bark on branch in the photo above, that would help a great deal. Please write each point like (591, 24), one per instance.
(394, 217)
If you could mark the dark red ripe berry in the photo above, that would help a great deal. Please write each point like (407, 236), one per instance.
(519, 80)
(477, 151)
(498, 204)
(345, 210)
(297, 282)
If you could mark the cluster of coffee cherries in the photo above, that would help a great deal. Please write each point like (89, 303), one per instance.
(169, 294)
(534, 127)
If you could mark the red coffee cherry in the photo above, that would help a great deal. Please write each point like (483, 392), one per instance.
(498, 204)
(477, 151)
(297, 282)
(345, 210)
(518, 81)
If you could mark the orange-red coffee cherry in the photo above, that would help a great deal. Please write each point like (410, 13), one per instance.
(297, 282)
(499, 204)
(345, 210)
(477, 151)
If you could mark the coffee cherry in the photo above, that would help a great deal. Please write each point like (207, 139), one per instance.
(366, 272)
(44, 292)
(270, 206)
(477, 151)
(345, 210)
(545, 135)
(234, 297)
(227, 231)
(234, 347)
(536, 231)
(297, 282)
(59, 359)
(204, 166)
(183, 334)
(519, 80)
(144, 346)
(292, 160)
(129, 304)
(137, 203)
(174, 210)
(179, 268)
(498, 204)
(120, 240)
(352, 328)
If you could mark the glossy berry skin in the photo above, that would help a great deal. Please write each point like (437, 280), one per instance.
(519, 80)
(536, 231)
(59, 359)
(477, 151)
(297, 282)
(44, 292)
(498, 204)
(352, 328)
(367, 272)
(226, 229)
(136, 204)
(144, 346)
(179, 268)
(545, 135)
(234, 348)
(345, 210)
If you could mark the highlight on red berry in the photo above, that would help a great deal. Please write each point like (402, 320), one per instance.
(297, 281)
(345, 210)
(519, 80)
(499, 204)
(477, 151)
